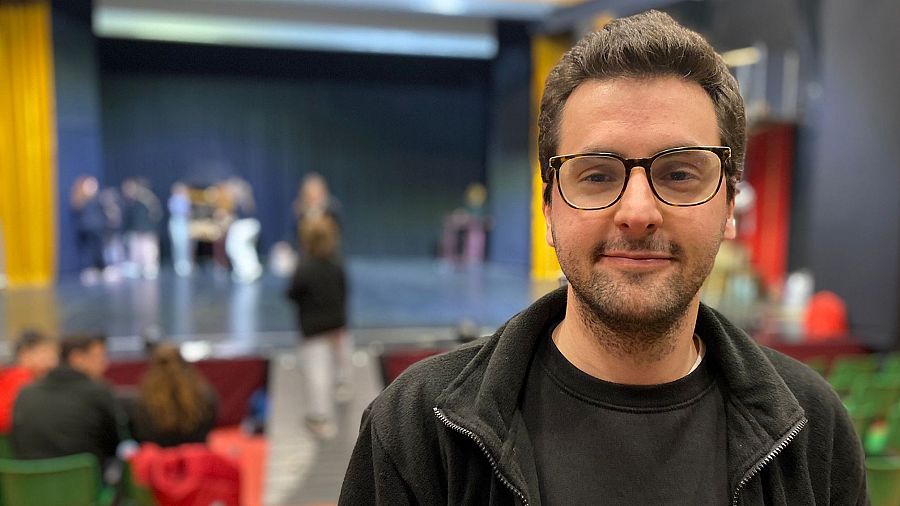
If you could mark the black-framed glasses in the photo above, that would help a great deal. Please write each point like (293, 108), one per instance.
(684, 176)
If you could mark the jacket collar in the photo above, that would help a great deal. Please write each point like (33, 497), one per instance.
(760, 408)
(484, 397)
(64, 374)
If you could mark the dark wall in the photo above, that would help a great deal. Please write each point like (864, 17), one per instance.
(78, 133)
(397, 138)
(855, 209)
(509, 155)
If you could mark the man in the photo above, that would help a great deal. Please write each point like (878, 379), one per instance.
(622, 388)
(69, 411)
(36, 354)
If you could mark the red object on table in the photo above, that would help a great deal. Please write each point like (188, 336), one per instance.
(826, 317)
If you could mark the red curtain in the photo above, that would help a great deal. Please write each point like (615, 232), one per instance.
(765, 230)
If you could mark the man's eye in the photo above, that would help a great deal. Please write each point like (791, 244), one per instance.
(680, 175)
(597, 177)
(676, 173)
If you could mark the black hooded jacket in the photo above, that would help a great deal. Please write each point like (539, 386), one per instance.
(449, 430)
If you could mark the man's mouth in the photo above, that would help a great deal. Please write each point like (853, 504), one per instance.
(638, 255)
(636, 260)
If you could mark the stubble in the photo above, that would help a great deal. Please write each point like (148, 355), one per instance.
(636, 314)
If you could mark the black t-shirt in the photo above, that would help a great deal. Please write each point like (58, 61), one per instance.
(597, 442)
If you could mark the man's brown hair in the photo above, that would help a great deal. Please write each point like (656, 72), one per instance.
(31, 339)
(79, 342)
(650, 44)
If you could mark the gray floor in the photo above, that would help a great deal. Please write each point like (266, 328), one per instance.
(302, 469)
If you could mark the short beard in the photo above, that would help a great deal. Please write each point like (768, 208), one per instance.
(643, 335)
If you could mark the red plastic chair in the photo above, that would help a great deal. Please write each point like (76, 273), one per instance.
(394, 362)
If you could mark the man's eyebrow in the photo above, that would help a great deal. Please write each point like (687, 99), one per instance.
(596, 148)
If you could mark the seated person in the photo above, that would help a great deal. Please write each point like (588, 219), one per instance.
(175, 404)
(70, 410)
(36, 354)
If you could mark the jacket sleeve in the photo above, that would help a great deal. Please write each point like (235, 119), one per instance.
(848, 463)
(372, 477)
(113, 423)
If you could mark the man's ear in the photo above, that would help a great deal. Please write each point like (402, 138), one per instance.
(547, 221)
(730, 224)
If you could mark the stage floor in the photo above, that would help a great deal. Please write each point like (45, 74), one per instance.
(392, 300)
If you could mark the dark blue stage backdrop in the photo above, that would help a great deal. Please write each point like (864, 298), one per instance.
(397, 138)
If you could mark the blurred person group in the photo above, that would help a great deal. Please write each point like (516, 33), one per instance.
(54, 402)
(117, 232)
(221, 220)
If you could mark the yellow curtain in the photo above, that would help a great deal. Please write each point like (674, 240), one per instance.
(545, 52)
(27, 142)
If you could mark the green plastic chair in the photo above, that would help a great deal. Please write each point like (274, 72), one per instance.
(892, 438)
(882, 391)
(884, 438)
(883, 475)
(73, 480)
(891, 364)
(135, 494)
(5, 448)
(818, 364)
(846, 370)
(862, 414)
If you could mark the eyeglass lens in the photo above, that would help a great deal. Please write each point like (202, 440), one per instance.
(680, 178)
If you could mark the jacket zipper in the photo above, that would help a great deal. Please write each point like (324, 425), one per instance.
(761, 463)
(474, 437)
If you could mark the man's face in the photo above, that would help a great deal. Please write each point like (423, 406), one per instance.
(92, 361)
(40, 358)
(640, 261)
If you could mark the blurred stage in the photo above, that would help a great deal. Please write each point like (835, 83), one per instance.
(391, 301)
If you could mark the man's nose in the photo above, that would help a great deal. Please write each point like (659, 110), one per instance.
(637, 212)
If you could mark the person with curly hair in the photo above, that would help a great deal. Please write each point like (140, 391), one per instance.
(175, 403)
